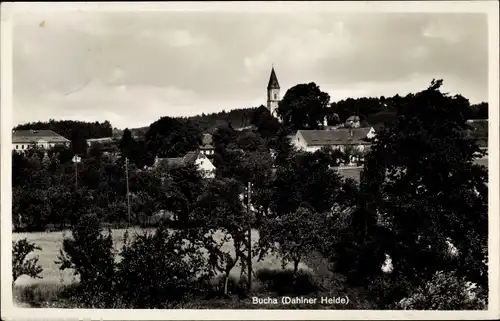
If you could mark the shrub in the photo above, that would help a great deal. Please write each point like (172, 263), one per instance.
(158, 270)
(386, 290)
(90, 252)
(41, 294)
(446, 291)
(22, 266)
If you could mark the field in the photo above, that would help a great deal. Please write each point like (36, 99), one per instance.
(46, 292)
(51, 244)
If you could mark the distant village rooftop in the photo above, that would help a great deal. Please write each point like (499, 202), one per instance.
(101, 140)
(32, 136)
(340, 136)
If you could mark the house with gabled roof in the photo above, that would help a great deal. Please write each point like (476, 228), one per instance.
(25, 139)
(340, 138)
(204, 165)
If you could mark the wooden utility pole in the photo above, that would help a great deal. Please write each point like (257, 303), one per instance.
(76, 176)
(128, 192)
(249, 262)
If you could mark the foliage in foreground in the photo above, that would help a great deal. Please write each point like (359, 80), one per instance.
(446, 291)
(159, 269)
(20, 264)
(420, 192)
(91, 254)
(293, 235)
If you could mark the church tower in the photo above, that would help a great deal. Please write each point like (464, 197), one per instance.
(273, 93)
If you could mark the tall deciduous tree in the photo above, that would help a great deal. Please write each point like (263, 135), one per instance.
(293, 235)
(180, 190)
(304, 106)
(281, 147)
(128, 146)
(225, 219)
(422, 180)
(267, 125)
(170, 137)
(305, 181)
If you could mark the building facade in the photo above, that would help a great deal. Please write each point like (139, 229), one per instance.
(340, 138)
(23, 140)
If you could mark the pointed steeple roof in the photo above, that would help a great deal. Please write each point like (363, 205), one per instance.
(273, 81)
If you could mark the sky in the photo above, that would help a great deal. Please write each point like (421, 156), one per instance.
(132, 68)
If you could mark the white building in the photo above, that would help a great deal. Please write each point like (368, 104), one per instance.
(25, 139)
(340, 138)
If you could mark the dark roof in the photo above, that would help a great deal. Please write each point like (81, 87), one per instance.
(378, 126)
(339, 136)
(33, 136)
(355, 172)
(190, 157)
(246, 128)
(273, 81)
(206, 147)
(178, 162)
(170, 163)
(353, 118)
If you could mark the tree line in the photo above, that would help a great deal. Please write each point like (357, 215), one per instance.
(306, 106)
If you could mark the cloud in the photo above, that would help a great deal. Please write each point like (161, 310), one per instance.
(134, 67)
(289, 49)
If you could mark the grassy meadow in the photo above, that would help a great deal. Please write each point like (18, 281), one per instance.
(49, 290)
(53, 279)
(51, 244)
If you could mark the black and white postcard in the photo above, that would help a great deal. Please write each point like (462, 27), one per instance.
(212, 160)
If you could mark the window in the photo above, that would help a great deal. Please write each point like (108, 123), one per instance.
(17, 146)
(22, 146)
(275, 96)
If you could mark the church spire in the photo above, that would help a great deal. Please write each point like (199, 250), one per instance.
(273, 93)
(273, 80)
